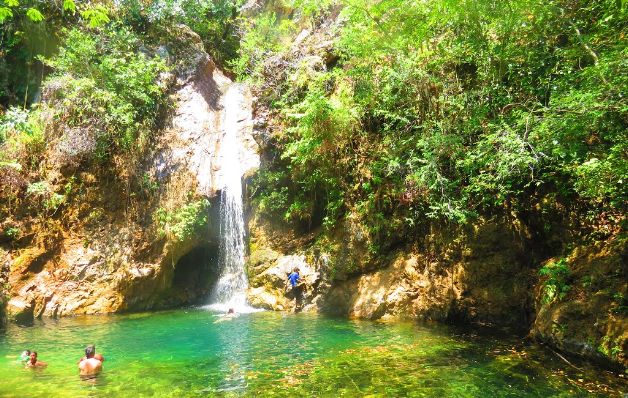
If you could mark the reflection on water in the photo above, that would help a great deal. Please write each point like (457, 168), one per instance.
(186, 354)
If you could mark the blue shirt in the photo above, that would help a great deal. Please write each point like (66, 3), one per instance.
(293, 278)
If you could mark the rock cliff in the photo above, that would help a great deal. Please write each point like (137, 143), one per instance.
(485, 274)
(498, 269)
(112, 251)
(481, 275)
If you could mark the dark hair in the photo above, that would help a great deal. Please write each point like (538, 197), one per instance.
(34, 352)
(90, 350)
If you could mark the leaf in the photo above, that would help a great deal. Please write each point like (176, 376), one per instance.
(69, 5)
(12, 3)
(96, 16)
(5, 13)
(34, 15)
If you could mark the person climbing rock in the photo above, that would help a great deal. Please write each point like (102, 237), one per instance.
(293, 278)
(33, 362)
(89, 365)
(296, 289)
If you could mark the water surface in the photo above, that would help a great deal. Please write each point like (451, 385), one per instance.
(187, 353)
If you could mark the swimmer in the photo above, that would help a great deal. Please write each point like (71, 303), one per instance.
(96, 356)
(228, 316)
(89, 365)
(34, 363)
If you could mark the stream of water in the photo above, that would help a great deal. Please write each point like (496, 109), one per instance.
(197, 353)
(230, 290)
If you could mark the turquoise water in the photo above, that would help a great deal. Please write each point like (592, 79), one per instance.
(188, 353)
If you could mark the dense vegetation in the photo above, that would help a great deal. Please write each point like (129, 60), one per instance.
(445, 110)
(423, 109)
(104, 71)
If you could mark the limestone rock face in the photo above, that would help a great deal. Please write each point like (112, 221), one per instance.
(83, 280)
(588, 321)
(106, 261)
(483, 280)
(480, 276)
(271, 289)
(192, 144)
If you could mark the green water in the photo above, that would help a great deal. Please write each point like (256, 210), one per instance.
(185, 353)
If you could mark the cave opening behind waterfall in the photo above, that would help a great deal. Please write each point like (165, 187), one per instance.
(195, 274)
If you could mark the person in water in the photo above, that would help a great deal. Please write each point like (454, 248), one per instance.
(228, 316)
(33, 362)
(90, 365)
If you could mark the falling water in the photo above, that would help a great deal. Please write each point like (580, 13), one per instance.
(230, 291)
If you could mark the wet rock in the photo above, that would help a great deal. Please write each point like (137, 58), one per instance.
(270, 287)
(191, 146)
(477, 277)
(20, 310)
(269, 299)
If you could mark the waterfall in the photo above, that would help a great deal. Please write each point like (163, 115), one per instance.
(230, 290)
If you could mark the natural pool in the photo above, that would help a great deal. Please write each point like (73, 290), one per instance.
(186, 353)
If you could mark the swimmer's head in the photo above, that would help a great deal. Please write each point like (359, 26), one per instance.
(90, 350)
(26, 353)
(231, 311)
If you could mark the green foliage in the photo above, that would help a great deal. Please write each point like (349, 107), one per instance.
(14, 121)
(69, 5)
(148, 185)
(262, 37)
(29, 29)
(103, 81)
(12, 233)
(446, 110)
(48, 200)
(34, 15)
(183, 222)
(556, 283)
(620, 304)
(21, 138)
(95, 16)
(5, 13)
(213, 20)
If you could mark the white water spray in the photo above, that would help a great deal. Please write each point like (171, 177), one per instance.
(230, 291)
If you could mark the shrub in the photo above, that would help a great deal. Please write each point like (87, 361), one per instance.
(104, 85)
(446, 110)
(184, 221)
(556, 283)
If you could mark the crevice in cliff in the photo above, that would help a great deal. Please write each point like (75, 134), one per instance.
(195, 273)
